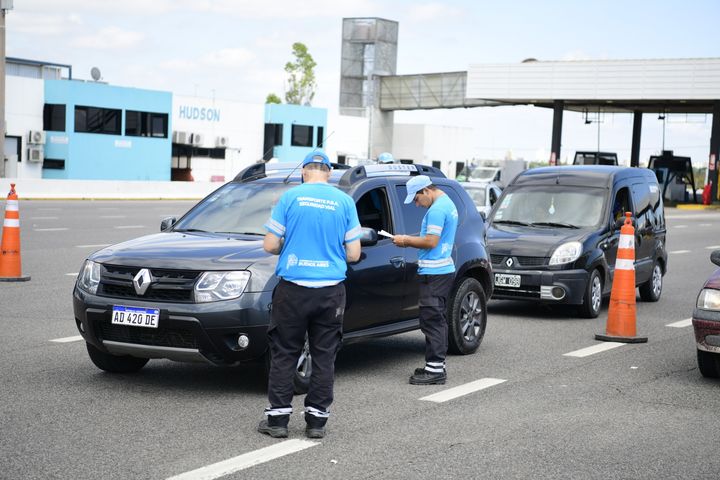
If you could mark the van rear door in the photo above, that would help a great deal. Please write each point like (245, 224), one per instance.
(644, 231)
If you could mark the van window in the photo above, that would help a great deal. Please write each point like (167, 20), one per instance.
(641, 197)
(621, 204)
(552, 206)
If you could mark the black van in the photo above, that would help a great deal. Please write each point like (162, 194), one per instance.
(553, 235)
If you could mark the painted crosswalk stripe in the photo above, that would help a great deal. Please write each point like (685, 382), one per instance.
(682, 323)
(97, 245)
(67, 339)
(129, 226)
(58, 229)
(246, 460)
(461, 390)
(678, 252)
(600, 347)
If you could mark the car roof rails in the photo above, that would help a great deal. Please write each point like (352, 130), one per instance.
(262, 170)
(388, 170)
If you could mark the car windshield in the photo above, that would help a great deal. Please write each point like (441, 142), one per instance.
(235, 208)
(483, 174)
(555, 206)
(477, 195)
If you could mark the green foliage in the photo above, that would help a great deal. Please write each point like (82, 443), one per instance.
(301, 84)
(272, 98)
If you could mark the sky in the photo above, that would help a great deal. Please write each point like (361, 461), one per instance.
(236, 50)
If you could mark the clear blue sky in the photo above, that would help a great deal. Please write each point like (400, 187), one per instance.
(236, 50)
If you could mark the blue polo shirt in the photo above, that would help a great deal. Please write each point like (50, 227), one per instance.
(317, 220)
(441, 219)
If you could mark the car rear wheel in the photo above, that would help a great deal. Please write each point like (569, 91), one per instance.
(301, 380)
(114, 363)
(467, 317)
(592, 300)
(650, 291)
(709, 364)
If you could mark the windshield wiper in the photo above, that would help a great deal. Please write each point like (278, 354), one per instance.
(195, 230)
(511, 222)
(243, 233)
(553, 224)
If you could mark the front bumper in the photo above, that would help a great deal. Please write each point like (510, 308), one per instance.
(553, 286)
(187, 332)
(706, 324)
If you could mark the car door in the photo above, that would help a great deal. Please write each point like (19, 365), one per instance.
(621, 202)
(644, 231)
(375, 284)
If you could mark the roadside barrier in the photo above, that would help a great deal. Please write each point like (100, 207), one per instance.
(622, 314)
(10, 262)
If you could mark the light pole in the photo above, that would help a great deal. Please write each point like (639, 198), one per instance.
(5, 5)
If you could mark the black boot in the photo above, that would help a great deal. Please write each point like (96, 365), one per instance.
(423, 377)
(315, 426)
(275, 425)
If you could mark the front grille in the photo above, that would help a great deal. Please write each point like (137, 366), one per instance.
(167, 285)
(525, 292)
(518, 261)
(161, 337)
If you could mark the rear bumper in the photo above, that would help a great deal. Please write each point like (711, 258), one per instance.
(186, 332)
(545, 286)
(706, 325)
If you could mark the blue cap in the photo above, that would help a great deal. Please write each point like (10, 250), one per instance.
(414, 185)
(317, 157)
(386, 157)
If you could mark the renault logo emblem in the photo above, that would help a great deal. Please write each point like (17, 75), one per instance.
(142, 280)
(509, 262)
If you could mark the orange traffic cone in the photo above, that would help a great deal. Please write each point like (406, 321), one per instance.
(10, 265)
(621, 313)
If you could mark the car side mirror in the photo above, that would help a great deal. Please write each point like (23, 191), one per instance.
(715, 257)
(167, 223)
(368, 237)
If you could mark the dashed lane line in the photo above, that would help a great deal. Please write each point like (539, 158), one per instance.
(97, 245)
(113, 216)
(713, 247)
(706, 224)
(67, 339)
(129, 226)
(44, 218)
(600, 347)
(72, 274)
(681, 324)
(58, 229)
(461, 390)
(246, 460)
(681, 226)
(679, 252)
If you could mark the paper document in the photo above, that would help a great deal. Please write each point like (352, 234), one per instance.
(386, 234)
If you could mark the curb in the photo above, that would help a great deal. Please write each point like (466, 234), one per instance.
(693, 206)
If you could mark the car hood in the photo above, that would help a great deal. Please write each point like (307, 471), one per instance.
(714, 280)
(185, 251)
(529, 241)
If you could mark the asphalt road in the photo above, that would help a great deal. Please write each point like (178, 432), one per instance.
(635, 411)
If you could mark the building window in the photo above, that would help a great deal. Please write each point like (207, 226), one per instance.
(320, 137)
(302, 136)
(53, 164)
(146, 124)
(54, 117)
(273, 138)
(97, 120)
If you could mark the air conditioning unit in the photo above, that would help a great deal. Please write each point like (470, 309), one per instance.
(197, 139)
(36, 137)
(221, 142)
(182, 138)
(35, 154)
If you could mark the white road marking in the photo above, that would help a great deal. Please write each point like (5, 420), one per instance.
(58, 229)
(44, 218)
(456, 392)
(48, 208)
(706, 224)
(129, 226)
(94, 246)
(680, 226)
(678, 252)
(67, 339)
(246, 460)
(71, 274)
(113, 216)
(682, 323)
(713, 247)
(600, 347)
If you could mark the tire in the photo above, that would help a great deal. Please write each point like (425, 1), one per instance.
(114, 363)
(709, 364)
(651, 290)
(301, 380)
(467, 317)
(592, 300)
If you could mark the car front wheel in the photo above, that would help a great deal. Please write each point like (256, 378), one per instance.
(650, 291)
(115, 363)
(709, 364)
(592, 300)
(467, 317)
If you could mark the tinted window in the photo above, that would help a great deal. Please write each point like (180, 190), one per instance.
(146, 124)
(54, 118)
(302, 136)
(97, 120)
(374, 211)
(412, 215)
(641, 197)
(320, 137)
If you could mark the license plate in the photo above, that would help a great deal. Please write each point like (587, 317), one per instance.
(504, 280)
(135, 316)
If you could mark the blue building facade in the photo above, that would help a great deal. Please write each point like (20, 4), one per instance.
(293, 131)
(98, 131)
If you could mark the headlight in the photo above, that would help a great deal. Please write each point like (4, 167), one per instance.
(89, 277)
(566, 253)
(214, 286)
(709, 299)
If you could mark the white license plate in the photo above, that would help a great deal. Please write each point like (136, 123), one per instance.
(135, 316)
(504, 280)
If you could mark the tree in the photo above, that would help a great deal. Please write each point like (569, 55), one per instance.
(301, 84)
(272, 98)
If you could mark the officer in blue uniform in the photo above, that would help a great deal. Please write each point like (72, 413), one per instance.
(436, 270)
(315, 230)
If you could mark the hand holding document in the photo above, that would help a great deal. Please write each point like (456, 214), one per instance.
(386, 234)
